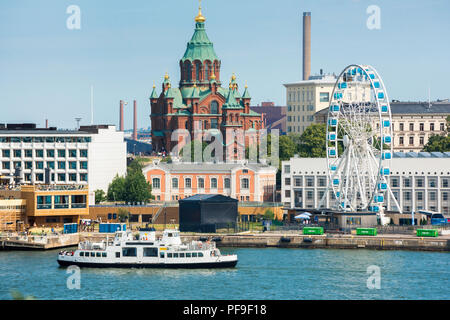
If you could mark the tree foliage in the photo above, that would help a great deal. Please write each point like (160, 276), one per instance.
(131, 188)
(312, 143)
(99, 196)
(438, 144)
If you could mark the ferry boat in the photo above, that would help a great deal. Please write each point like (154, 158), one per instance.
(124, 251)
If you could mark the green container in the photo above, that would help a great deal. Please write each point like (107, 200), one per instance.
(313, 230)
(366, 231)
(427, 233)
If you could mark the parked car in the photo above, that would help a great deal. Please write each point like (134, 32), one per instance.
(438, 219)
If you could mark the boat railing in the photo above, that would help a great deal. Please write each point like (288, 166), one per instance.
(92, 246)
(192, 246)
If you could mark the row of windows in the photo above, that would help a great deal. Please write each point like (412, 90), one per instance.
(71, 165)
(412, 126)
(45, 139)
(61, 202)
(39, 153)
(292, 118)
(93, 254)
(156, 183)
(295, 96)
(309, 107)
(419, 182)
(185, 255)
(61, 177)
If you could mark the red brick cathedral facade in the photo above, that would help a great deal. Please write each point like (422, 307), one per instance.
(200, 102)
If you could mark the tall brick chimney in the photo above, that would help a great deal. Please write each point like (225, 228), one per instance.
(306, 45)
(121, 116)
(135, 122)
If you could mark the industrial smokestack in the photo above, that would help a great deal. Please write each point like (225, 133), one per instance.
(121, 116)
(306, 45)
(135, 122)
(46, 123)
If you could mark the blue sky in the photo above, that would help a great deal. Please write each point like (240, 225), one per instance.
(46, 70)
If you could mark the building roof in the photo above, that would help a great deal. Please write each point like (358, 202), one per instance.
(203, 167)
(320, 79)
(421, 154)
(208, 198)
(410, 108)
(420, 108)
(200, 47)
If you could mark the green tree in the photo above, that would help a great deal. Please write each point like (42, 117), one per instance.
(99, 196)
(123, 215)
(116, 189)
(268, 214)
(437, 143)
(313, 142)
(137, 188)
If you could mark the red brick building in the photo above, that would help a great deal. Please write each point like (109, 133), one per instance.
(200, 102)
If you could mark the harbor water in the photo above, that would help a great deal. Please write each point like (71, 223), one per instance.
(266, 273)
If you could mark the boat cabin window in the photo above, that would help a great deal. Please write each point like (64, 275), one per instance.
(194, 254)
(117, 254)
(182, 255)
(200, 254)
(169, 255)
(188, 254)
(98, 254)
(169, 235)
(81, 254)
(150, 252)
(175, 255)
(103, 254)
(92, 254)
(129, 252)
(161, 255)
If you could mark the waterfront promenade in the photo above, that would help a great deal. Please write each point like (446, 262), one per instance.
(296, 240)
(288, 239)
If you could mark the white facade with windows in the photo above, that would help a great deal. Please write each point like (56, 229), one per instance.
(92, 156)
(419, 181)
(304, 99)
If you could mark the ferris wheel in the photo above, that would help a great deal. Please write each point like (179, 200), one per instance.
(359, 142)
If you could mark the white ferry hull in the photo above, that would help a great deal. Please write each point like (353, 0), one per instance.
(199, 265)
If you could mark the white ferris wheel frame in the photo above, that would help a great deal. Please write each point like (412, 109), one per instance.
(380, 186)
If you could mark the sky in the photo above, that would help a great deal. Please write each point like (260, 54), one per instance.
(123, 47)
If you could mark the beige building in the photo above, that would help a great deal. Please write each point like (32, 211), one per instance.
(412, 123)
(305, 98)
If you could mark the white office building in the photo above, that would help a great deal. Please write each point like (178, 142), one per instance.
(419, 181)
(92, 155)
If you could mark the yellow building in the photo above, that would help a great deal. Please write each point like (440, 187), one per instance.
(48, 205)
(305, 98)
(12, 214)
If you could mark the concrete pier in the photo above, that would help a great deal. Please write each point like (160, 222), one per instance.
(295, 240)
(39, 242)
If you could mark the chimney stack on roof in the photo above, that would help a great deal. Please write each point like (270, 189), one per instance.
(306, 45)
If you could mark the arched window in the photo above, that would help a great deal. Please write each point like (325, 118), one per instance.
(227, 183)
(156, 183)
(201, 183)
(188, 183)
(244, 184)
(214, 107)
(213, 183)
(175, 183)
(207, 71)
(198, 69)
(188, 70)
